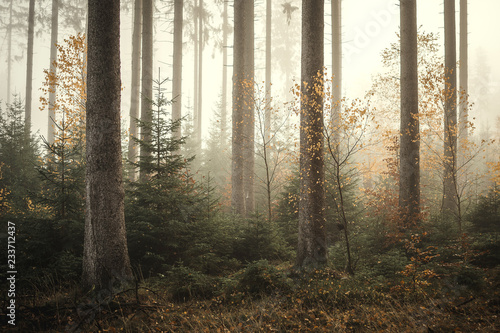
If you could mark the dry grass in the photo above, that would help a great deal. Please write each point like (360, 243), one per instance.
(334, 310)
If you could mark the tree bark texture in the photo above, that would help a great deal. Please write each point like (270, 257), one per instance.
(450, 110)
(267, 116)
(105, 260)
(223, 123)
(177, 66)
(135, 92)
(242, 176)
(147, 77)
(336, 65)
(201, 40)
(196, 14)
(464, 75)
(248, 110)
(409, 167)
(29, 66)
(53, 58)
(312, 249)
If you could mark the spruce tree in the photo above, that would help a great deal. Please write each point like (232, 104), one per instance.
(18, 159)
(161, 207)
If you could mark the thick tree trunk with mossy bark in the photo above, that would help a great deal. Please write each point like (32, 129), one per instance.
(450, 111)
(105, 258)
(147, 78)
(135, 92)
(409, 151)
(312, 248)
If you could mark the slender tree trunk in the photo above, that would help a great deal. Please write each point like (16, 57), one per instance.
(224, 76)
(9, 52)
(267, 112)
(237, 197)
(53, 58)
(200, 76)
(450, 110)
(409, 166)
(267, 116)
(29, 66)
(463, 135)
(268, 181)
(147, 77)
(336, 67)
(135, 90)
(248, 110)
(312, 249)
(196, 14)
(243, 117)
(62, 213)
(105, 259)
(464, 75)
(177, 70)
(341, 209)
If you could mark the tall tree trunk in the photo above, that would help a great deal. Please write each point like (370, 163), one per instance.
(243, 116)
(223, 123)
(29, 66)
(336, 23)
(147, 77)
(464, 75)
(177, 67)
(196, 14)
(135, 91)
(201, 41)
(237, 197)
(105, 258)
(312, 249)
(336, 66)
(9, 52)
(53, 58)
(267, 111)
(267, 116)
(248, 110)
(409, 168)
(450, 110)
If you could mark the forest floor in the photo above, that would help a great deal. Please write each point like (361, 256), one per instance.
(321, 305)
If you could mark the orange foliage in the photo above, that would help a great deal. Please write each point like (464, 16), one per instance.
(69, 80)
(4, 193)
(416, 272)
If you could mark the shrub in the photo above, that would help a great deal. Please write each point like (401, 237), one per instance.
(485, 217)
(470, 277)
(186, 283)
(260, 277)
(259, 239)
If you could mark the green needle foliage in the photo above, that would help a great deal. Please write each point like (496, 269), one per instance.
(162, 210)
(63, 175)
(18, 159)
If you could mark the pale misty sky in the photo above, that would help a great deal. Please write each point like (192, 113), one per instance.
(368, 27)
(368, 31)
